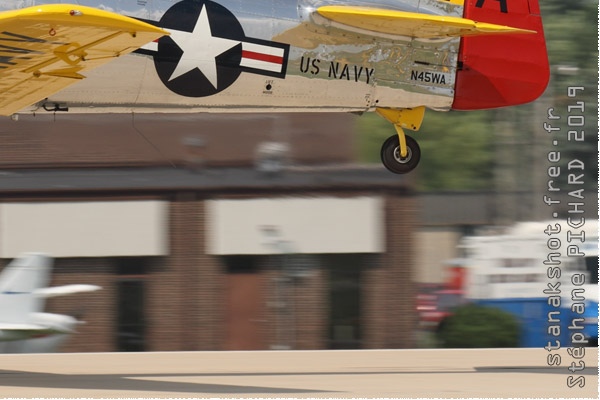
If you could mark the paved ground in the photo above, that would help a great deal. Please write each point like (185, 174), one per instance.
(379, 373)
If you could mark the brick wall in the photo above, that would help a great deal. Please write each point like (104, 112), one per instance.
(122, 140)
(272, 327)
(185, 296)
(389, 290)
(210, 306)
(296, 312)
(311, 310)
(183, 292)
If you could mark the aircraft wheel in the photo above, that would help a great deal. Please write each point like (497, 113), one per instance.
(391, 159)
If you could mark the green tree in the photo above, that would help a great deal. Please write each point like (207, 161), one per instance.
(571, 30)
(455, 147)
(473, 326)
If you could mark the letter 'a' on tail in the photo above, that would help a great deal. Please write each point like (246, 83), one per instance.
(502, 70)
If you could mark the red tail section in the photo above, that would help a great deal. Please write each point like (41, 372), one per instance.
(504, 69)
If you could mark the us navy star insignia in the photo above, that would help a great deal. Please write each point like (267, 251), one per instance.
(200, 49)
(207, 50)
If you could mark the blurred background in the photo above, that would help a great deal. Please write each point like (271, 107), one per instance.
(283, 231)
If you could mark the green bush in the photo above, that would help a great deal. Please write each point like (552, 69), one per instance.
(477, 326)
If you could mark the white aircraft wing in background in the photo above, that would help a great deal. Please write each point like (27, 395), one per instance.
(24, 327)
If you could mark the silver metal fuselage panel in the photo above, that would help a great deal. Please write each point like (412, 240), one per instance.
(327, 67)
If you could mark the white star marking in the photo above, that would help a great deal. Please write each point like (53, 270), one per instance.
(200, 49)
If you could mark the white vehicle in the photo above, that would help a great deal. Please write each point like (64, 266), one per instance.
(24, 327)
(547, 278)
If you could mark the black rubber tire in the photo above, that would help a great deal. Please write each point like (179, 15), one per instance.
(390, 155)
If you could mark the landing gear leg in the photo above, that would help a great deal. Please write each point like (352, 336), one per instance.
(401, 153)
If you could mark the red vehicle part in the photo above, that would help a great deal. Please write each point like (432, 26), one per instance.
(505, 69)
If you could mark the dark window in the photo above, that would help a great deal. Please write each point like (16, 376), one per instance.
(241, 264)
(131, 265)
(344, 301)
(130, 315)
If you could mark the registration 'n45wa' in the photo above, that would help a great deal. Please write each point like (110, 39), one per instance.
(395, 57)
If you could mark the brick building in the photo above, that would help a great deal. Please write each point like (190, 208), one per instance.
(219, 256)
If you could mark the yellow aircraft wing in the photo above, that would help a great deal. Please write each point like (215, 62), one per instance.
(44, 49)
(411, 24)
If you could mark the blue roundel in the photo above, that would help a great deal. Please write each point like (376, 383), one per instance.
(202, 55)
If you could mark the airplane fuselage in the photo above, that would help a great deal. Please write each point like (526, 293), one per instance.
(396, 57)
(262, 55)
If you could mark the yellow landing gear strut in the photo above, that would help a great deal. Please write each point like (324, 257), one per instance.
(401, 153)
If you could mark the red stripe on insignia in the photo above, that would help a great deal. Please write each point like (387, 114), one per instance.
(262, 57)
